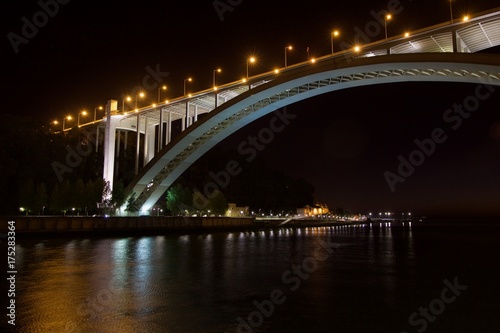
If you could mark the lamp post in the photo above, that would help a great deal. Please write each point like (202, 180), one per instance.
(386, 18)
(128, 99)
(185, 81)
(218, 70)
(164, 87)
(82, 113)
(451, 11)
(250, 60)
(287, 48)
(141, 95)
(64, 121)
(335, 33)
(95, 112)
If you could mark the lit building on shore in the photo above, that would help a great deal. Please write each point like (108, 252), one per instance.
(317, 209)
(234, 211)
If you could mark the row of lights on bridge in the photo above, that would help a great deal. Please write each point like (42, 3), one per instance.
(250, 60)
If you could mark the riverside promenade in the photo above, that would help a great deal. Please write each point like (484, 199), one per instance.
(78, 224)
(56, 225)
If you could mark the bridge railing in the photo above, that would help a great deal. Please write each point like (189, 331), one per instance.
(339, 57)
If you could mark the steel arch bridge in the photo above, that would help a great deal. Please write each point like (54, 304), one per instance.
(442, 53)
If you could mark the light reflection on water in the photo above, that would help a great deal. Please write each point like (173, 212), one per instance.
(203, 282)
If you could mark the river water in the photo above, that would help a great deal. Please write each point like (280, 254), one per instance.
(439, 278)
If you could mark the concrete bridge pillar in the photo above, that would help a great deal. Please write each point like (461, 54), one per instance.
(109, 143)
(149, 144)
(138, 144)
(168, 134)
(160, 132)
(458, 43)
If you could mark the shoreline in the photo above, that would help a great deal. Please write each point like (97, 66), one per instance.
(36, 226)
(59, 226)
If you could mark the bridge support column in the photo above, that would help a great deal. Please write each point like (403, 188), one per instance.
(109, 143)
(150, 151)
(118, 139)
(160, 132)
(146, 142)
(168, 136)
(195, 113)
(454, 38)
(138, 144)
(186, 118)
(117, 155)
(125, 139)
(458, 43)
(216, 98)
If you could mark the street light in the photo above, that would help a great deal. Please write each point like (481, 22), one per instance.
(83, 113)
(250, 60)
(128, 99)
(386, 18)
(64, 120)
(159, 92)
(287, 48)
(466, 18)
(335, 33)
(141, 95)
(218, 70)
(95, 112)
(451, 11)
(186, 80)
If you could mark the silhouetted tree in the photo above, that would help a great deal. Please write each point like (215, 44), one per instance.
(41, 197)
(27, 196)
(179, 199)
(118, 196)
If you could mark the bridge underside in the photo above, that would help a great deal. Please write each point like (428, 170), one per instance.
(304, 83)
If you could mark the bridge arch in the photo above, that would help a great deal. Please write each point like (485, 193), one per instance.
(301, 84)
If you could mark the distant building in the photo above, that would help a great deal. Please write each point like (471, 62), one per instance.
(235, 211)
(317, 209)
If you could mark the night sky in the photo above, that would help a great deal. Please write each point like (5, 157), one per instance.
(342, 142)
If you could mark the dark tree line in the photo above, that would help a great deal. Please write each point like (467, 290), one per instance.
(48, 172)
(256, 185)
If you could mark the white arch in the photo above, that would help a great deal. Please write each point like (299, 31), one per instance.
(304, 83)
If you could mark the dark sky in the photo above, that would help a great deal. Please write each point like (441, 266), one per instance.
(343, 142)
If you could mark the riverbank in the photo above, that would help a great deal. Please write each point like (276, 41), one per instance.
(58, 225)
(84, 224)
